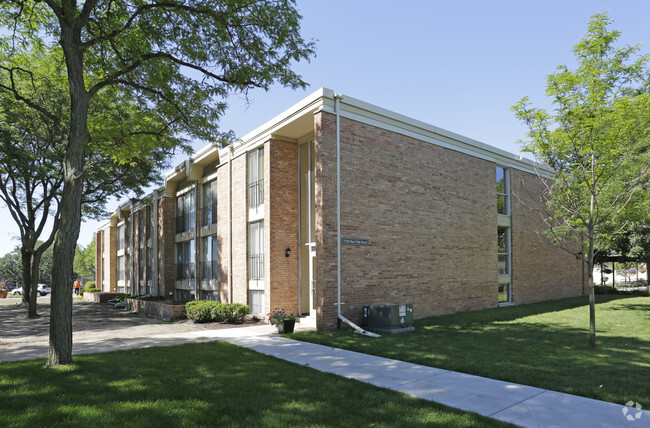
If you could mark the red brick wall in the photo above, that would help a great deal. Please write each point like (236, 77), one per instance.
(166, 246)
(281, 225)
(429, 214)
(112, 256)
(223, 226)
(325, 220)
(540, 270)
(239, 231)
(99, 247)
(106, 240)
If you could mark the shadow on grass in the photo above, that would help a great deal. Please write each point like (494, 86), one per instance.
(544, 345)
(212, 384)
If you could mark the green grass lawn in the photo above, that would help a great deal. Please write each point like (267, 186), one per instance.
(544, 345)
(209, 384)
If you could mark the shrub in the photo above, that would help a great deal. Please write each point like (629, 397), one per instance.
(236, 312)
(90, 285)
(92, 290)
(604, 289)
(201, 311)
(198, 311)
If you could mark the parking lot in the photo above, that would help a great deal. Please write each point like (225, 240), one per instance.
(95, 327)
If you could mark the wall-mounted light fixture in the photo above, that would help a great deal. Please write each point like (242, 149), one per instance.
(287, 252)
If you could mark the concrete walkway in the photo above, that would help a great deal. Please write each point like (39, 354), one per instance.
(509, 402)
(518, 404)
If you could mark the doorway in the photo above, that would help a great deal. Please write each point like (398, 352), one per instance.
(307, 254)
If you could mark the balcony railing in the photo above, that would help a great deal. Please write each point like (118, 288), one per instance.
(256, 193)
(210, 270)
(185, 222)
(184, 271)
(209, 214)
(256, 266)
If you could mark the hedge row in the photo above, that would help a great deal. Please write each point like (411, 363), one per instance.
(201, 311)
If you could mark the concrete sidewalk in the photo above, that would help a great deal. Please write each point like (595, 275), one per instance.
(509, 402)
(518, 404)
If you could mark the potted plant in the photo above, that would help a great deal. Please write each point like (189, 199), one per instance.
(3, 291)
(283, 320)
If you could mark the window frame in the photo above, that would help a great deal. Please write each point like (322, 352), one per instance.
(209, 207)
(186, 211)
(255, 182)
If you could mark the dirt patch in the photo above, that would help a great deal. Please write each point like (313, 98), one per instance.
(222, 325)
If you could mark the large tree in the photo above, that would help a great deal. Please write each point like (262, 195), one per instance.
(124, 154)
(176, 59)
(595, 141)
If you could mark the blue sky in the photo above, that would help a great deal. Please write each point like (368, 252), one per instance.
(457, 65)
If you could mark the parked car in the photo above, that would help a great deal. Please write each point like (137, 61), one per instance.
(17, 291)
(43, 289)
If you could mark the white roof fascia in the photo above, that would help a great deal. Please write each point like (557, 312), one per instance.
(370, 114)
(262, 133)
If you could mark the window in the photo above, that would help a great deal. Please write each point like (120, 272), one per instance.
(256, 178)
(141, 268)
(185, 271)
(256, 301)
(121, 273)
(504, 236)
(185, 212)
(185, 261)
(149, 222)
(256, 250)
(209, 208)
(210, 295)
(502, 191)
(149, 263)
(505, 292)
(209, 267)
(503, 239)
(121, 235)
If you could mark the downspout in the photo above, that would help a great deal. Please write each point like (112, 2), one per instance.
(230, 291)
(357, 329)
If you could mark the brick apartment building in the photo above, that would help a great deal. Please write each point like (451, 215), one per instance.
(427, 217)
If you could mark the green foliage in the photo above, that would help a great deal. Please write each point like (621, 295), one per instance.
(596, 143)
(84, 260)
(202, 311)
(10, 268)
(596, 140)
(121, 85)
(234, 313)
(278, 316)
(199, 311)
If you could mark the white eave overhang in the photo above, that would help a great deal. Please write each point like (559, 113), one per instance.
(298, 121)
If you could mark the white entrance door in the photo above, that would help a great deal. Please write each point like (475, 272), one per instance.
(312, 254)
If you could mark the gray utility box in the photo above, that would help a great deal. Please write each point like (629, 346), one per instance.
(388, 318)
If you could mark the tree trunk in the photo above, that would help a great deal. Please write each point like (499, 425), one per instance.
(60, 350)
(29, 283)
(592, 302)
(590, 271)
(647, 274)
